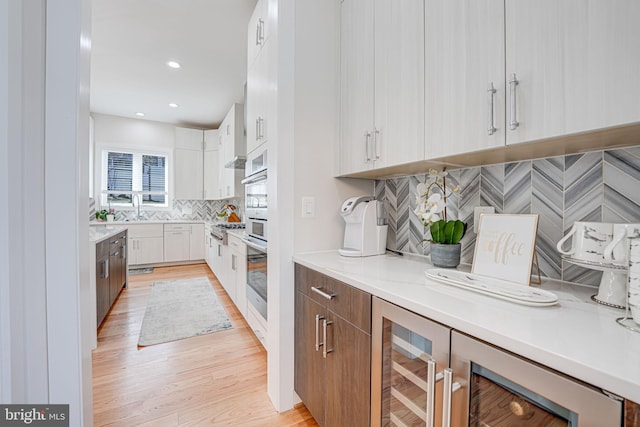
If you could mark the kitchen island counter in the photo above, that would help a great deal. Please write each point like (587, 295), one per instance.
(576, 336)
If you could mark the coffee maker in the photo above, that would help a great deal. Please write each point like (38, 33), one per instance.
(365, 232)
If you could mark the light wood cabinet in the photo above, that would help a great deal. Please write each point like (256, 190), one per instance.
(332, 349)
(507, 71)
(465, 63)
(188, 164)
(381, 83)
(576, 63)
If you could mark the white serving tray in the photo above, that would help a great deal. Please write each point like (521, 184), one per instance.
(497, 288)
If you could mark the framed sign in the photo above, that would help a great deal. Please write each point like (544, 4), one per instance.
(505, 246)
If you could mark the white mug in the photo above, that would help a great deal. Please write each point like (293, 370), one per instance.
(617, 251)
(589, 240)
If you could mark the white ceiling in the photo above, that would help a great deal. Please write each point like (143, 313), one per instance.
(132, 40)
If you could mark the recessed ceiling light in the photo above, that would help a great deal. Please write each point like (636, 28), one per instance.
(140, 114)
(173, 64)
(174, 105)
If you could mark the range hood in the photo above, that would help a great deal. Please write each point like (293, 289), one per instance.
(238, 162)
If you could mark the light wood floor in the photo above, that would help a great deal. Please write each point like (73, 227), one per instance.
(217, 379)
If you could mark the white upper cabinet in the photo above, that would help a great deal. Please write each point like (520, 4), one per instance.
(258, 30)
(464, 78)
(233, 139)
(577, 64)
(211, 165)
(188, 164)
(381, 83)
(260, 103)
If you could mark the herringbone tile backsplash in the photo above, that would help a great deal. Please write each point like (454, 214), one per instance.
(595, 186)
(200, 210)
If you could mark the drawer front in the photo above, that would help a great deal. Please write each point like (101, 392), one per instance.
(344, 300)
(177, 227)
(256, 301)
(237, 245)
(145, 230)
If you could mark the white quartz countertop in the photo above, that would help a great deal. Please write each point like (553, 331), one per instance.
(98, 233)
(154, 221)
(576, 336)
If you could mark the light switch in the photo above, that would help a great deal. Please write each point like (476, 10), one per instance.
(476, 215)
(308, 207)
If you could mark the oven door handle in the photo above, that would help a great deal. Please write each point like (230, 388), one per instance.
(255, 246)
(256, 177)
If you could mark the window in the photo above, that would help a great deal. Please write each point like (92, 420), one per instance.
(125, 174)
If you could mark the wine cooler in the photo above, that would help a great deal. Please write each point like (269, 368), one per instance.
(427, 374)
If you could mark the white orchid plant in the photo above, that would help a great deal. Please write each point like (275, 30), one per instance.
(431, 208)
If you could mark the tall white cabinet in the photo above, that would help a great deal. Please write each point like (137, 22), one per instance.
(381, 83)
(188, 159)
(211, 182)
(260, 88)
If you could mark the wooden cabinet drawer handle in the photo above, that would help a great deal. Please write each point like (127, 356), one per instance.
(322, 293)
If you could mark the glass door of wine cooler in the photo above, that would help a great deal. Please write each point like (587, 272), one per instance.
(409, 354)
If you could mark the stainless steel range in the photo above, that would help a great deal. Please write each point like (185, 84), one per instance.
(219, 231)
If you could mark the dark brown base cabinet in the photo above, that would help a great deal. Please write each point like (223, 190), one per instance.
(332, 349)
(111, 273)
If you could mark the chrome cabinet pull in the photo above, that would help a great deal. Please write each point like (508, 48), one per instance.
(450, 387)
(106, 269)
(376, 144)
(322, 293)
(513, 82)
(260, 32)
(367, 143)
(257, 128)
(319, 344)
(491, 91)
(325, 350)
(431, 392)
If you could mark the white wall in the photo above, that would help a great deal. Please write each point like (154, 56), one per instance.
(316, 128)
(304, 47)
(43, 179)
(5, 302)
(125, 133)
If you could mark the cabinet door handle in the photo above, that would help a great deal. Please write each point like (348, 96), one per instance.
(261, 127)
(376, 144)
(325, 350)
(123, 254)
(106, 269)
(319, 344)
(513, 82)
(367, 142)
(233, 262)
(258, 33)
(491, 91)
(449, 388)
(431, 392)
(322, 293)
(261, 27)
(258, 128)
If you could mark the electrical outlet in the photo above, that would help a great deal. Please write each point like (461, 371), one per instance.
(476, 215)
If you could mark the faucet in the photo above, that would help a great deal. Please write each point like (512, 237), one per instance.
(136, 197)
